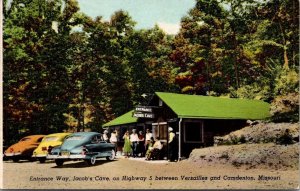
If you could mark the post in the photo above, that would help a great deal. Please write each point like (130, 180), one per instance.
(179, 142)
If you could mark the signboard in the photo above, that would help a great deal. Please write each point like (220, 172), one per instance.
(143, 109)
(143, 115)
(143, 112)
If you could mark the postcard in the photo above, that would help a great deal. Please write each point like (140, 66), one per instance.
(148, 94)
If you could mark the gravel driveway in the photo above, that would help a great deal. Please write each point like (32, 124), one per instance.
(140, 174)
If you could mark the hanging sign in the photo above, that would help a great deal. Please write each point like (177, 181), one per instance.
(143, 109)
(143, 115)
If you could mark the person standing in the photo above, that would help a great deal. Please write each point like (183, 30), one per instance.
(141, 144)
(127, 145)
(172, 151)
(105, 137)
(134, 141)
(113, 139)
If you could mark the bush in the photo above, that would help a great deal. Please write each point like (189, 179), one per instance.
(234, 139)
(242, 139)
(286, 138)
(285, 108)
(286, 82)
(224, 156)
(252, 91)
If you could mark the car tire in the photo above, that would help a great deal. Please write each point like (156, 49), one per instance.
(59, 162)
(42, 160)
(16, 159)
(5, 158)
(91, 161)
(112, 156)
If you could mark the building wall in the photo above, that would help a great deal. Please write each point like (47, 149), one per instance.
(207, 128)
(220, 127)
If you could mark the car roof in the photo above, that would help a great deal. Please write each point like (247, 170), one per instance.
(58, 134)
(34, 136)
(86, 133)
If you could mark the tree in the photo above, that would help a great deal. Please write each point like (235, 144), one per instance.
(150, 69)
(36, 44)
(198, 49)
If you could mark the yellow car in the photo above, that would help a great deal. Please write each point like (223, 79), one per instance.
(47, 144)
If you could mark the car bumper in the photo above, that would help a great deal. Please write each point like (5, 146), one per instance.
(67, 156)
(39, 155)
(12, 154)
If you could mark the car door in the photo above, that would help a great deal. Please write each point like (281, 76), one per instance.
(96, 144)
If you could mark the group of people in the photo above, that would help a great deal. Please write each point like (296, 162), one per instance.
(138, 145)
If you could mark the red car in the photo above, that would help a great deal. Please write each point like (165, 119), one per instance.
(24, 148)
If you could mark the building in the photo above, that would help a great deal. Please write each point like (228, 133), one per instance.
(195, 119)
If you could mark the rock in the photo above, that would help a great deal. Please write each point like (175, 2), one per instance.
(260, 132)
(263, 155)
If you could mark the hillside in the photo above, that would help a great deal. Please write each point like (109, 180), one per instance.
(259, 133)
(259, 150)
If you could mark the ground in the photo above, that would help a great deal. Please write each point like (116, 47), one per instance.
(262, 155)
(28, 175)
(258, 164)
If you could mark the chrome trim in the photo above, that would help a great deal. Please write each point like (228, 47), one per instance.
(39, 155)
(76, 156)
(12, 154)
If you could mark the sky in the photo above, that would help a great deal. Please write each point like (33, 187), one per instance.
(146, 13)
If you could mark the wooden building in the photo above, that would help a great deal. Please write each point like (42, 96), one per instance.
(195, 119)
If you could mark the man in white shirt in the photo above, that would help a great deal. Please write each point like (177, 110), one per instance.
(148, 139)
(105, 137)
(148, 135)
(113, 139)
(134, 141)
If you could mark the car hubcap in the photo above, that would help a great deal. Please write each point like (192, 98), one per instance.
(113, 154)
(93, 160)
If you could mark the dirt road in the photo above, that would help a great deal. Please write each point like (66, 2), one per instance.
(139, 174)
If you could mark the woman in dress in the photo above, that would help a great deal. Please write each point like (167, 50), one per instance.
(127, 144)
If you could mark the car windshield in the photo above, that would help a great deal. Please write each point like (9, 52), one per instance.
(47, 139)
(25, 139)
(74, 137)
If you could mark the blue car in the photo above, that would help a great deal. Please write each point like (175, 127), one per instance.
(87, 146)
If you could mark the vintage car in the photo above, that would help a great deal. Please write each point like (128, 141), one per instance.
(47, 144)
(24, 148)
(87, 146)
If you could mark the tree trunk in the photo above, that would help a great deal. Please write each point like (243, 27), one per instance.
(286, 60)
(235, 62)
(285, 57)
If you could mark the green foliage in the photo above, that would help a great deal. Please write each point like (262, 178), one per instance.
(252, 91)
(234, 139)
(286, 82)
(52, 73)
(285, 108)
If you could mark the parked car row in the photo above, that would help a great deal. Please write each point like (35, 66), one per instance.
(61, 147)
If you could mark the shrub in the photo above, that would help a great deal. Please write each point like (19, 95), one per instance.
(285, 108)
(234, 139)
(286, 138)
(224, 156)
(242, 139)
(286, 82)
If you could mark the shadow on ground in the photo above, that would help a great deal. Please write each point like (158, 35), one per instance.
(81, 164)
